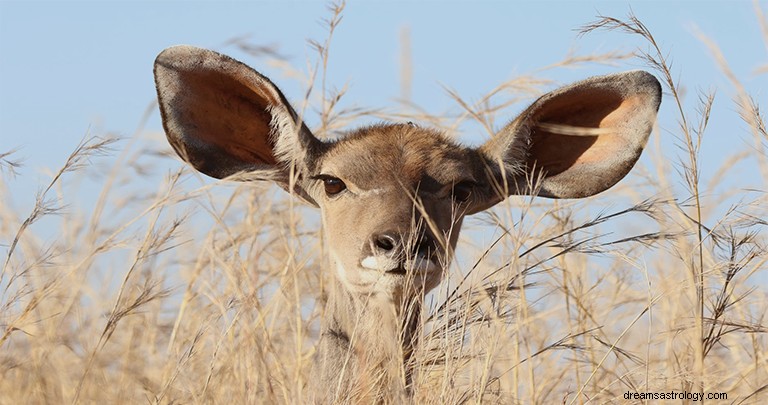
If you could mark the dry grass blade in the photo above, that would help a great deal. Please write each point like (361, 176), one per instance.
(44, 206)
(190, 293)
(7, 165)
(691, 143)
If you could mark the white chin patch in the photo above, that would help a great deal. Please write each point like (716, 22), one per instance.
(385, 263)
(380, 263)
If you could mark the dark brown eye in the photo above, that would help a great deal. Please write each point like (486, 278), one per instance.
(333, 185)
(462, 191)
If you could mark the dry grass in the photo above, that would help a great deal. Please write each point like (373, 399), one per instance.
(199, 294)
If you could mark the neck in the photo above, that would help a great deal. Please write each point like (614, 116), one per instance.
(365, 347)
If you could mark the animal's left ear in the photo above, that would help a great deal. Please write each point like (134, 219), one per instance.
(578, 140)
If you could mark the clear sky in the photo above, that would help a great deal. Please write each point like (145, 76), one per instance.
(67, 67)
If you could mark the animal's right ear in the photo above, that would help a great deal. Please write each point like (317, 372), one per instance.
(223, 118)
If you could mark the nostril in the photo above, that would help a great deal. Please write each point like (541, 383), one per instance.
(385, 242)
(424, 245)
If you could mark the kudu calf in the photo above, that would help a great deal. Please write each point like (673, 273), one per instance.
(393, 196)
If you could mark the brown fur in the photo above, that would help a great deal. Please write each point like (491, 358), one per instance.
(392, 230)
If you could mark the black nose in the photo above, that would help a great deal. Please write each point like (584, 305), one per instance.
(387, 242)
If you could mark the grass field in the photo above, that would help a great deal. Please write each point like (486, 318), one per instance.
(184, 291)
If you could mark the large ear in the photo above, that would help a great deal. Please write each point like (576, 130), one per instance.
(578, 140)
(223, 118)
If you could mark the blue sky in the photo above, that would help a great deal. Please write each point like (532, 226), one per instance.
(67, 68)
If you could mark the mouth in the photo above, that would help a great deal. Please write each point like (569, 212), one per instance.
(398, 271)
(397, 267)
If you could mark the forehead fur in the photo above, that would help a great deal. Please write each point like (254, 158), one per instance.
(407, 152)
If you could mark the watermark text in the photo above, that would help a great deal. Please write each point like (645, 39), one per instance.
(675, 395)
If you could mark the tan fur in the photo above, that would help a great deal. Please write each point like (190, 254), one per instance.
(392, 230)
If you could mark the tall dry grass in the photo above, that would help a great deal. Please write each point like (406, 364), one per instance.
(199, 292)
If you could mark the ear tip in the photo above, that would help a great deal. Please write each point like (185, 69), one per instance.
(173, 55)
(180, 50)
(645, 78)
(643, 81)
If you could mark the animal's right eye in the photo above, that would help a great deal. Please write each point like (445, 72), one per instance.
(332, 185)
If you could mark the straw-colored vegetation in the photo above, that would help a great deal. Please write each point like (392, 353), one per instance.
(177, 292)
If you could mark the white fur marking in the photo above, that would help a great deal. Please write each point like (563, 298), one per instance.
(372, 192)
(380, 263)
(285, 134)
(386, 263)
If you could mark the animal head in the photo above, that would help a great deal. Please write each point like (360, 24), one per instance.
(392, 197)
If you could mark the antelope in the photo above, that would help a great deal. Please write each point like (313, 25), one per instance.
(392, 197)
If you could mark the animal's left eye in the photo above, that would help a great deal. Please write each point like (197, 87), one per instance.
(462, 192)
